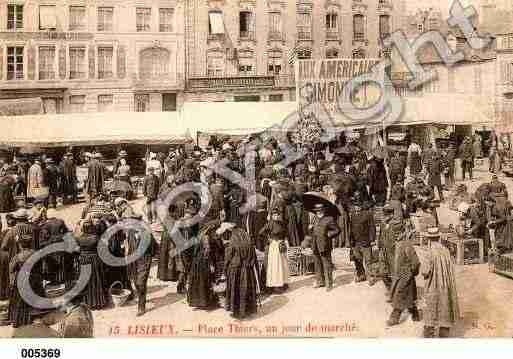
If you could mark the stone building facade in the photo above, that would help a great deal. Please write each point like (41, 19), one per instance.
(238, 50)
(99, 55)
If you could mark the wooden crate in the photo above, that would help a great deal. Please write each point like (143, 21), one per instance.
(465, 251)
(503, 264)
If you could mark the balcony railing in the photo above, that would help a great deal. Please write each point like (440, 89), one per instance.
(385, 5)
(276, 36)
(304, 35)
(332, 35)
(215, 37)
(247, 35)
(234, 82)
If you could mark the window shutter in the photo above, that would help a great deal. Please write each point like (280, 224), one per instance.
(31, 62)
(121, 62)
(62, 63)
(92, 55)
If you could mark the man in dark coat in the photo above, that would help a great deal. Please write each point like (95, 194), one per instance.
(377, 181)
(57, 267)
(151, 188)
(396, 169)
(362, 233)
(434, 167)
(51, 177)
(69, 178)
(95, 177)
(322, 235)
(391, 229)
(467, 157)
(449, 162)
(428, 154)
(404, 287)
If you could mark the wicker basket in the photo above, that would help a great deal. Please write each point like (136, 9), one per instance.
(119, 295)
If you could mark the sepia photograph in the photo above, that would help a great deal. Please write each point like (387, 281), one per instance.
(255, 169)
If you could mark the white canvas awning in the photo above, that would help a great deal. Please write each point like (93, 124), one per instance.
(92, 129)
(235, 118)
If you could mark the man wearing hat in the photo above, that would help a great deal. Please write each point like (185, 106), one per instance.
(440, 293)
(362, 233)
(69, 178)
(95, 177)
(51, 174)
(467, 157)
(322, 235)
(404, 287)
(151, 188)
(497, 186)
(154, 163)
(390, 230)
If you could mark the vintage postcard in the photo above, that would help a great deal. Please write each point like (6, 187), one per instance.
(256, 169)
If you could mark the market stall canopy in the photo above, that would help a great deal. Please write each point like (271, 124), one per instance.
(447, 109)
(89, 129)
(235, 118)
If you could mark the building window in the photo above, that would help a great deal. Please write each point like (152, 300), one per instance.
(246, 70)
(275, 26)
(77, 63)
(331, 53)
(304, 26)
(105, 103)
(154, 63)
(77, 18)
(143, 19)
(105, 65)
(168, 102)
(276, 98)
(15, 63)
(47, 17)
(142, 102)
(47, 63)
(420, 28)
(215, 66)
(304, 54)
(14, 17)
(246, 98)
(384, 26)
(274, 66)
(433, 24)
(105, 18)
(77, 103)
(359, 27)
(359, 54)
(166, 20)
(215, 23)
(331, 22)
(246, 25)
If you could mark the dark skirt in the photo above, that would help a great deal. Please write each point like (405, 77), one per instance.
(200, 293)
(6, 199)
(95, 295)
(19, 311)
(4, 275)
(167, 271)
(241, 293)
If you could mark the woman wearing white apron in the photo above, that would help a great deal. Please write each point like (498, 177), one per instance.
(276, 267)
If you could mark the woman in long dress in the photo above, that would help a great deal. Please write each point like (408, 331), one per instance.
(276, 264)
(200, 293)
(20, 311)
(241, 280)
(94, 293)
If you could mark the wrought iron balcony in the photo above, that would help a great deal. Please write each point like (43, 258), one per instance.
(230, 83)
(304, 35)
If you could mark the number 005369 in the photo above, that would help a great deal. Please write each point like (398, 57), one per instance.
(40, 353)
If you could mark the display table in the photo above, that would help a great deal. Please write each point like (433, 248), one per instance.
(503, 264)
(465, 251)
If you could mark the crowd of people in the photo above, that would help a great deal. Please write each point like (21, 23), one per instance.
(364, 200)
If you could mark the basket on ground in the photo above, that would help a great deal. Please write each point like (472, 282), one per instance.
(118, 294)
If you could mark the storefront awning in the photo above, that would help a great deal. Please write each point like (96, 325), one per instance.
(89, 129)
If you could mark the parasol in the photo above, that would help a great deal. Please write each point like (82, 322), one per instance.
(310, 199)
